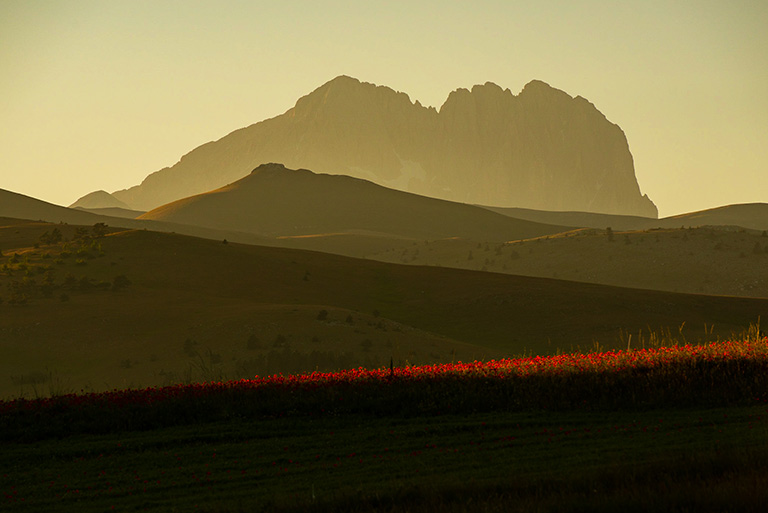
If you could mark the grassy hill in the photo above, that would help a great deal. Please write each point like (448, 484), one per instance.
(19, 206)
(753, 216)
(275, 201)
(113, 212)
(201, 309)
(709, 260)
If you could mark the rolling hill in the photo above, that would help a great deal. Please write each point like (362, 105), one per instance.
(19, 206)
(709, 260)
(276, 201)
(200, 309)
(113, 212)
(752, 216)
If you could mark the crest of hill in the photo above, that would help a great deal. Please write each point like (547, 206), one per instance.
(19, 206)
(540, 149)
(276, 201)
(753, 216)
(99, 199)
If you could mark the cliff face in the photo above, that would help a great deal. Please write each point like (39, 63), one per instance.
(539, 149)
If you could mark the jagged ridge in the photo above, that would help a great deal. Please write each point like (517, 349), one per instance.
(539, 149)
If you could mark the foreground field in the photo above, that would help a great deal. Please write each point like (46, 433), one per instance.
(670, 429)
(524, 461)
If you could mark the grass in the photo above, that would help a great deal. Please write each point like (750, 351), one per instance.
(708, 260)
(366, 462)
(675, 429)
(219, 295)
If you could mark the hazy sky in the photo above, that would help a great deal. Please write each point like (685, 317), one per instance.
(98, 94)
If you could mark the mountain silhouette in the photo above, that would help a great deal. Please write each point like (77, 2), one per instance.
(540, 149)
(276, 201)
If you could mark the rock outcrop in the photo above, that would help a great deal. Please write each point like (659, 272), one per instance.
(540, 149)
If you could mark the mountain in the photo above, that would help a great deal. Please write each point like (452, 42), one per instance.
(276, 201)
(539, 149)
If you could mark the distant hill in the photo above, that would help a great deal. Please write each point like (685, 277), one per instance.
(748, 215)
(580, 219)
(708, 260)
(753, 216)
(276, 201)
(19, 206)
(99, 199)
(210, 310)
(539, 149)
(113, 212)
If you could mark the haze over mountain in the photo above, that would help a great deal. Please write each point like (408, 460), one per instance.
(276, 201)
(539, 149)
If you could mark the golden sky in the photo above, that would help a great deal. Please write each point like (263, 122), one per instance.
(97, 95)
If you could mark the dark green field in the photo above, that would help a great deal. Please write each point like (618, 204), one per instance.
(674, 429)
(661, 460)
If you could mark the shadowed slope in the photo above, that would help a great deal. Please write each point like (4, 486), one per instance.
(753, 216)
(217, 295)
(19, 206)
(276, 201)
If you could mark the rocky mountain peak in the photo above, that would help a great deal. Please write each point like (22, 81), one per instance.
(540, 149)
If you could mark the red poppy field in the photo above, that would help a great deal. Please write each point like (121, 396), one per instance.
(666, 428)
